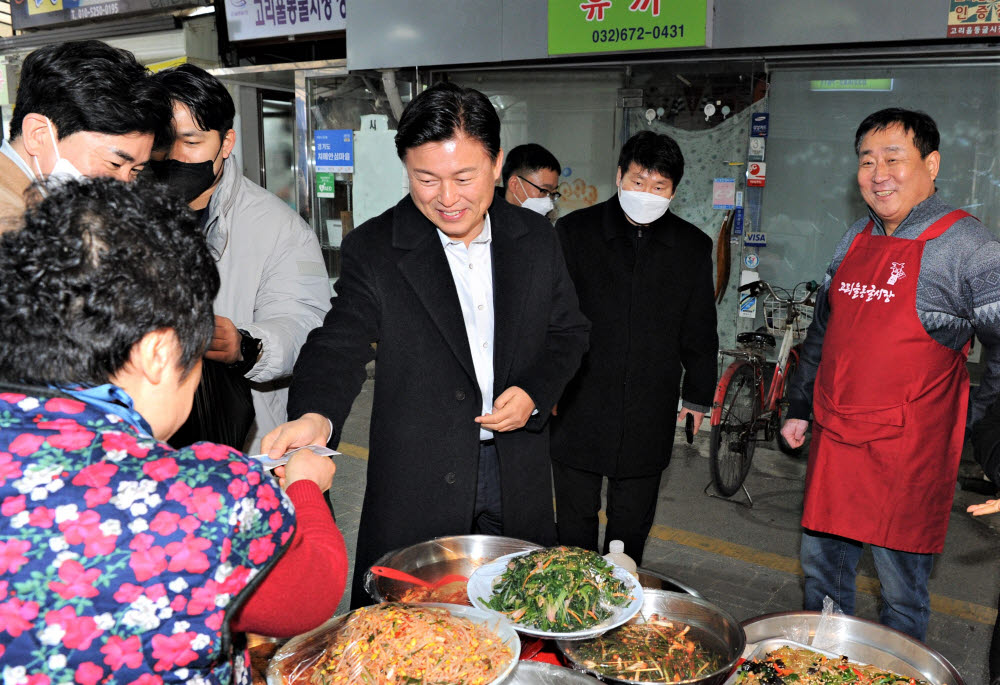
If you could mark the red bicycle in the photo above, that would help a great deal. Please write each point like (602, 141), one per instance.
(743, 405)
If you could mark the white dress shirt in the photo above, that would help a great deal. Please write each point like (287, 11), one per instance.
(472, 271)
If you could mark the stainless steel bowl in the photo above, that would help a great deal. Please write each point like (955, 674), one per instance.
(436, 558)
(859, 640)
(715, 628)
(657, 581)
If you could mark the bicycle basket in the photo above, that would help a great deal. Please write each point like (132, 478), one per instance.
(775, 313)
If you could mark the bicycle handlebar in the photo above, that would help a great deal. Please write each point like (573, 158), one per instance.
(757, 287)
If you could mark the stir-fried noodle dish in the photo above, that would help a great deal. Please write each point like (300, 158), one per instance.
(396, 643)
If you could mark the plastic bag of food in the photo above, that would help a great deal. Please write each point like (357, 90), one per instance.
(391, 643)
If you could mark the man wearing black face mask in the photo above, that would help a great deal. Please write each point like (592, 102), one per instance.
(275, 287)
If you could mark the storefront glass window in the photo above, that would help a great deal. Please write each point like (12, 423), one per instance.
(343, 113)
(812, 194)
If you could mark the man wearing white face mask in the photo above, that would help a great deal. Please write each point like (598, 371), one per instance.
(530, 177)
(83, 108)
(644, 279)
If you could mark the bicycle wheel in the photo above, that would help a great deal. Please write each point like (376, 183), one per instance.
(790, 369)
(733, 441)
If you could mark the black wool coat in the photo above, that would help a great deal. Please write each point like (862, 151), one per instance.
(651, 303)
(396, 290)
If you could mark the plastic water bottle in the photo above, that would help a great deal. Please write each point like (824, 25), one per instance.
(616, 555)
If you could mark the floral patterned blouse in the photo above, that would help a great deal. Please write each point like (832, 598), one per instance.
(121, 559)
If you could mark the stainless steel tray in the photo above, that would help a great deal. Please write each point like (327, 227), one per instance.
(436, 558)
(859, 640)
(771, 644)
(538, 673)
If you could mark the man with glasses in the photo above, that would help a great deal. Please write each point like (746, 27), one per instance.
(644, 279)
(530, 178)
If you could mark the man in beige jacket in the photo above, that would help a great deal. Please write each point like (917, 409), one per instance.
(83, 108)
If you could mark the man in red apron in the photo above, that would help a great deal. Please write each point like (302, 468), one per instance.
(884, 372)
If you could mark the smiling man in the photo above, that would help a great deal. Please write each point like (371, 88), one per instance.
(83, 108)
(466, 306)
(883, 369)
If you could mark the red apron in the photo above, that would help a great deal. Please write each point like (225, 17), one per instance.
(889, 404)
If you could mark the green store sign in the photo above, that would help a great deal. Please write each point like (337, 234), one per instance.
(582, 26)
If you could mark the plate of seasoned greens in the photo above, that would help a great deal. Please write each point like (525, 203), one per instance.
(565, 593)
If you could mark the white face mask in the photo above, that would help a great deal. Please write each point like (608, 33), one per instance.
(642, 208)
(63, 168)
(540, 205)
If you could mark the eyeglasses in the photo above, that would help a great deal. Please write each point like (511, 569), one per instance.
(554, 194)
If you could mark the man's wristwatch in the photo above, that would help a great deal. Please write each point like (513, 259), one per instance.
(250, 348)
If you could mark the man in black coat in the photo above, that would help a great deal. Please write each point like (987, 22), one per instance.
(467, 307)
(644, 279)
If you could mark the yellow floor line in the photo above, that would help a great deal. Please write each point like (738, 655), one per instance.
(943, 605)
(956, 608)
(355, 451)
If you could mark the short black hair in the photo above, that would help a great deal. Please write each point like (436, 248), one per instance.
(443, 110)
(211, 105)
(655, 152)
(925, 132)
(87, 85)
(526, 159)
(96, 265)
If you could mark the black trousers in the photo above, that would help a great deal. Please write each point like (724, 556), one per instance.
(630, 509)
(488, 517)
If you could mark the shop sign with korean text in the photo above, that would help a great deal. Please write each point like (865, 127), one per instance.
(253, 19)
(34, 13)
(583, 26)
(973, 19)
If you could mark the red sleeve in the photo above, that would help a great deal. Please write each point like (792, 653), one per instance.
(306, 584)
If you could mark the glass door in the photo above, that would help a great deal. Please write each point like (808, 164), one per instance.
(277, 147)
(332, 107)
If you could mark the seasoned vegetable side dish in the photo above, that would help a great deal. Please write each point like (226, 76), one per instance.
(452, 593)
(559, 589)
(657, 651)
(394, 643)
(805, 667)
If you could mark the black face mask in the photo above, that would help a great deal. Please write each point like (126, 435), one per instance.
(188, 179)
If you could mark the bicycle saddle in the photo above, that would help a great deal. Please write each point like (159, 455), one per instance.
(755, 337)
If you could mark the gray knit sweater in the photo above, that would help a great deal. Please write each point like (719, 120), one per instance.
(958, 295)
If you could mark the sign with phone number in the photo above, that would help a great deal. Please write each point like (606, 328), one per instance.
(582, 26)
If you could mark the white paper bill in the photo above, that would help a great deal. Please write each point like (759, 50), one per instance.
(269, 463)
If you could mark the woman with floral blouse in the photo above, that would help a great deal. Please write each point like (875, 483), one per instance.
(121, 559)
